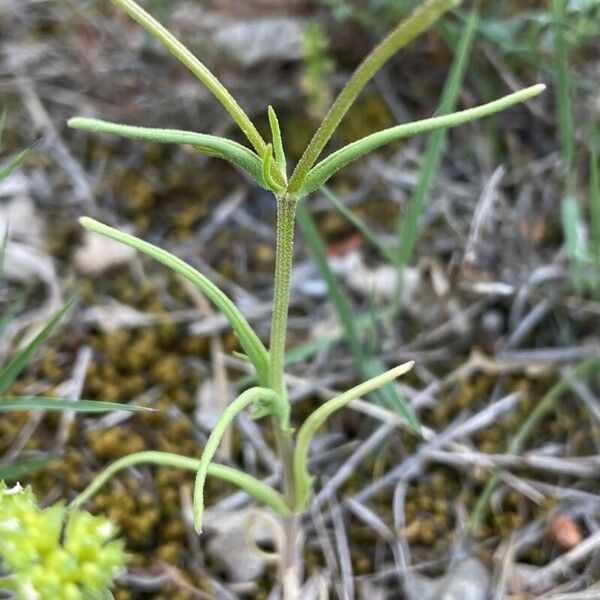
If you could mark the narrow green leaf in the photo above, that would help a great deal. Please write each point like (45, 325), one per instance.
(267, 402)
(352, 152)
(408, 227)
(318, 418)
(15, 403)
(12, 163)
(252, 486)
(571, 223)
(418, 22)
(266, 171)
(250, 342)
(17, 364)
(181, 53)
(365, 230)
(18, 469)
(277, 141)
(595, 204)
(208, 144)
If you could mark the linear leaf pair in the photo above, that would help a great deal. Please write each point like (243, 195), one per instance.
(269, 173)
(265, 402)
(261, 170)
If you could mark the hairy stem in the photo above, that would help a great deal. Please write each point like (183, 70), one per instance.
(286, 214)
(290, 558)
(252, 486)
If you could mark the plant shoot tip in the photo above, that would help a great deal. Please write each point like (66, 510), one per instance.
(85, 222)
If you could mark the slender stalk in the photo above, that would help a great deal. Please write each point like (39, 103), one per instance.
(290, 555)
(286, 215)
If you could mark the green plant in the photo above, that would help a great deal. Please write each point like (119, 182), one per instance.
(52, 554)
(266, 163)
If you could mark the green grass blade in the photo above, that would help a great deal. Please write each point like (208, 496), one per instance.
(17, 364)
(208, 144)
(368, 233)
(369, 366)
(17, 469)
(408, 227)
(253, 396)
(250, 342)
(563, 91)
(322, 172)
(247, 483)
(595, 204)
(12, 163)
(335, 291)
(571, 223)
(60, 404)
(2, 125)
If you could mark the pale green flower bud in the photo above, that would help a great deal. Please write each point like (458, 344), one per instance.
(52, 554)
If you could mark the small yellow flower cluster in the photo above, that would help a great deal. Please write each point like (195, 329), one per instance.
(50, 553)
